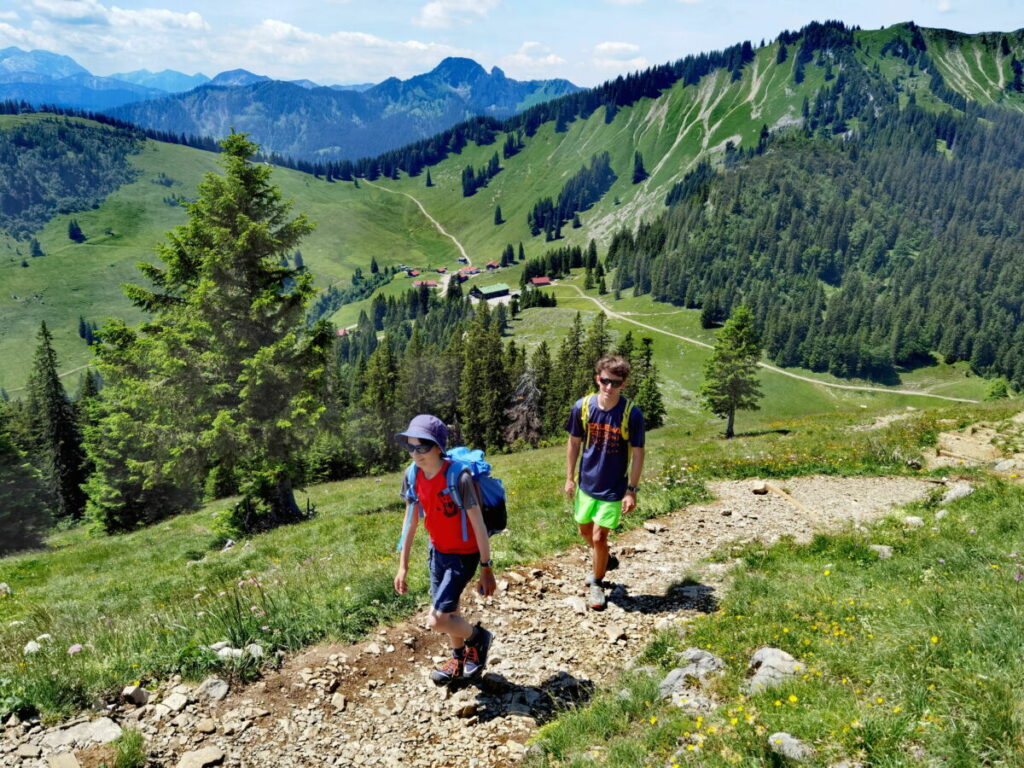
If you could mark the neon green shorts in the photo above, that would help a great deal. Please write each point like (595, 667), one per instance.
(591, 510)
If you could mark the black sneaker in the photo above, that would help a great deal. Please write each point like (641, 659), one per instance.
(450, 672)
(476, 652)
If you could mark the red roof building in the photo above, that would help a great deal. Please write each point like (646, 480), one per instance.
(342, 332)
(441, 270)
(428, 283)
(540, 281)
(493, 265)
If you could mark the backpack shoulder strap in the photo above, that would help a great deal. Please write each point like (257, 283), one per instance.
(452, 475)
(627, 411)
(412, 501)
(585, 406)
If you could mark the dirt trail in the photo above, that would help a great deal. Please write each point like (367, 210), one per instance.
(371, 704)
(433, 221)
(766, 366)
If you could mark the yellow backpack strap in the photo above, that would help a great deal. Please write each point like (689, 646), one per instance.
(585, 418)
(627, 411)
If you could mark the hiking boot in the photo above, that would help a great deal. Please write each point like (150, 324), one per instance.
(598, 601)
(449, 673)
(476, 651)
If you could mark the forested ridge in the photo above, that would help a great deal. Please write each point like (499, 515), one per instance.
(863, 242)
(52, 166)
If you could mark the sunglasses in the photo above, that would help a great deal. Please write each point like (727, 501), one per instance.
(610, 382)
(421, 448)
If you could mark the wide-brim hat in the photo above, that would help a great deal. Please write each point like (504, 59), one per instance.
(427, 427)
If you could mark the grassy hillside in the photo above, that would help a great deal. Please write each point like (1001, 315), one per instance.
(379, 220)
(331, 577)
(84, 279)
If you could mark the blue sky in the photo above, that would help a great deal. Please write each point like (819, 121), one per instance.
(349, 41)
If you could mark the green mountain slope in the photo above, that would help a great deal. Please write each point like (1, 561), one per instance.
(380, 219)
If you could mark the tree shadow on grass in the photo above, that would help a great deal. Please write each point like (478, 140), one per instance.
(763, 432)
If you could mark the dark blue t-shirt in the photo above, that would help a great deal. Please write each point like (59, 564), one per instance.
(605, 455)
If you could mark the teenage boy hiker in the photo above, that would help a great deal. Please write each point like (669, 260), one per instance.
(452, 559)
(609, 447)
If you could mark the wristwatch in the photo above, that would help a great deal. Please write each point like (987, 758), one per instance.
(485, 563)
(633, 488)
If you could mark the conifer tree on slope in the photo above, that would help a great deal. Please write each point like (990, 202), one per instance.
(226, 375)
(54, 433)
(730, 374)
(24, 507)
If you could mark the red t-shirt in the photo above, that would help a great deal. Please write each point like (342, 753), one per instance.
(442, 516)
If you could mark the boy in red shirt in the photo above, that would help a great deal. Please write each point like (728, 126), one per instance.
(455, 550)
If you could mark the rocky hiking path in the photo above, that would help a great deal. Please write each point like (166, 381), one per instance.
(371, 704)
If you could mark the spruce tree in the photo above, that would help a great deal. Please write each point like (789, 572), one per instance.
(75, 232)
(24, 502)
(429, 182)
(239, 371)
(377, 410)
(730, 373)
(54, 432)
(497, 215)
(639, 172)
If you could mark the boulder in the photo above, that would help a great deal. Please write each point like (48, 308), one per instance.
(957, 491)
(63, 760)
(912, 521)
(101, 731)
(1006, 465)
(202, 758)
(884, 551)
(5, 589)
(782, 743)
(700, 665)
(175, 702)
(770, 667)
(135, 694)
(212, 689)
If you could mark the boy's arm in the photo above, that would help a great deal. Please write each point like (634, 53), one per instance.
(483, 543)
(636, 466)
(403, 559)
(572, 454)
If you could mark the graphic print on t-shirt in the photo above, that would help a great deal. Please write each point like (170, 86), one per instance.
(605, 437)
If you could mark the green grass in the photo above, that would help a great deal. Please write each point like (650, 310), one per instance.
(920, 654)
(142, 605)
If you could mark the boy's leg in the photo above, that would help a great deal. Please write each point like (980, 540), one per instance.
(449, 575)
(451, 624)
(599, 540)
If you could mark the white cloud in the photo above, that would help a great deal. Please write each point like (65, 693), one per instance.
(625, 2)
(9, 15)
(531, 59)
(442, 14)
(611, 48)
(108, 39)
(617, 56)
(945, 6)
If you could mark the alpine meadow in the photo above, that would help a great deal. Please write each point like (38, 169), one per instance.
(810, 253)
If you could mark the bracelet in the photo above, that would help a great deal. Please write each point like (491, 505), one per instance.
(633, 488)
(485, 563)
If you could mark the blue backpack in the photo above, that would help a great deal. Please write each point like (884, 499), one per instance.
(489, 490)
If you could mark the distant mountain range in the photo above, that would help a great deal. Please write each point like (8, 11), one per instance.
(318, 123)
(299, 118)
